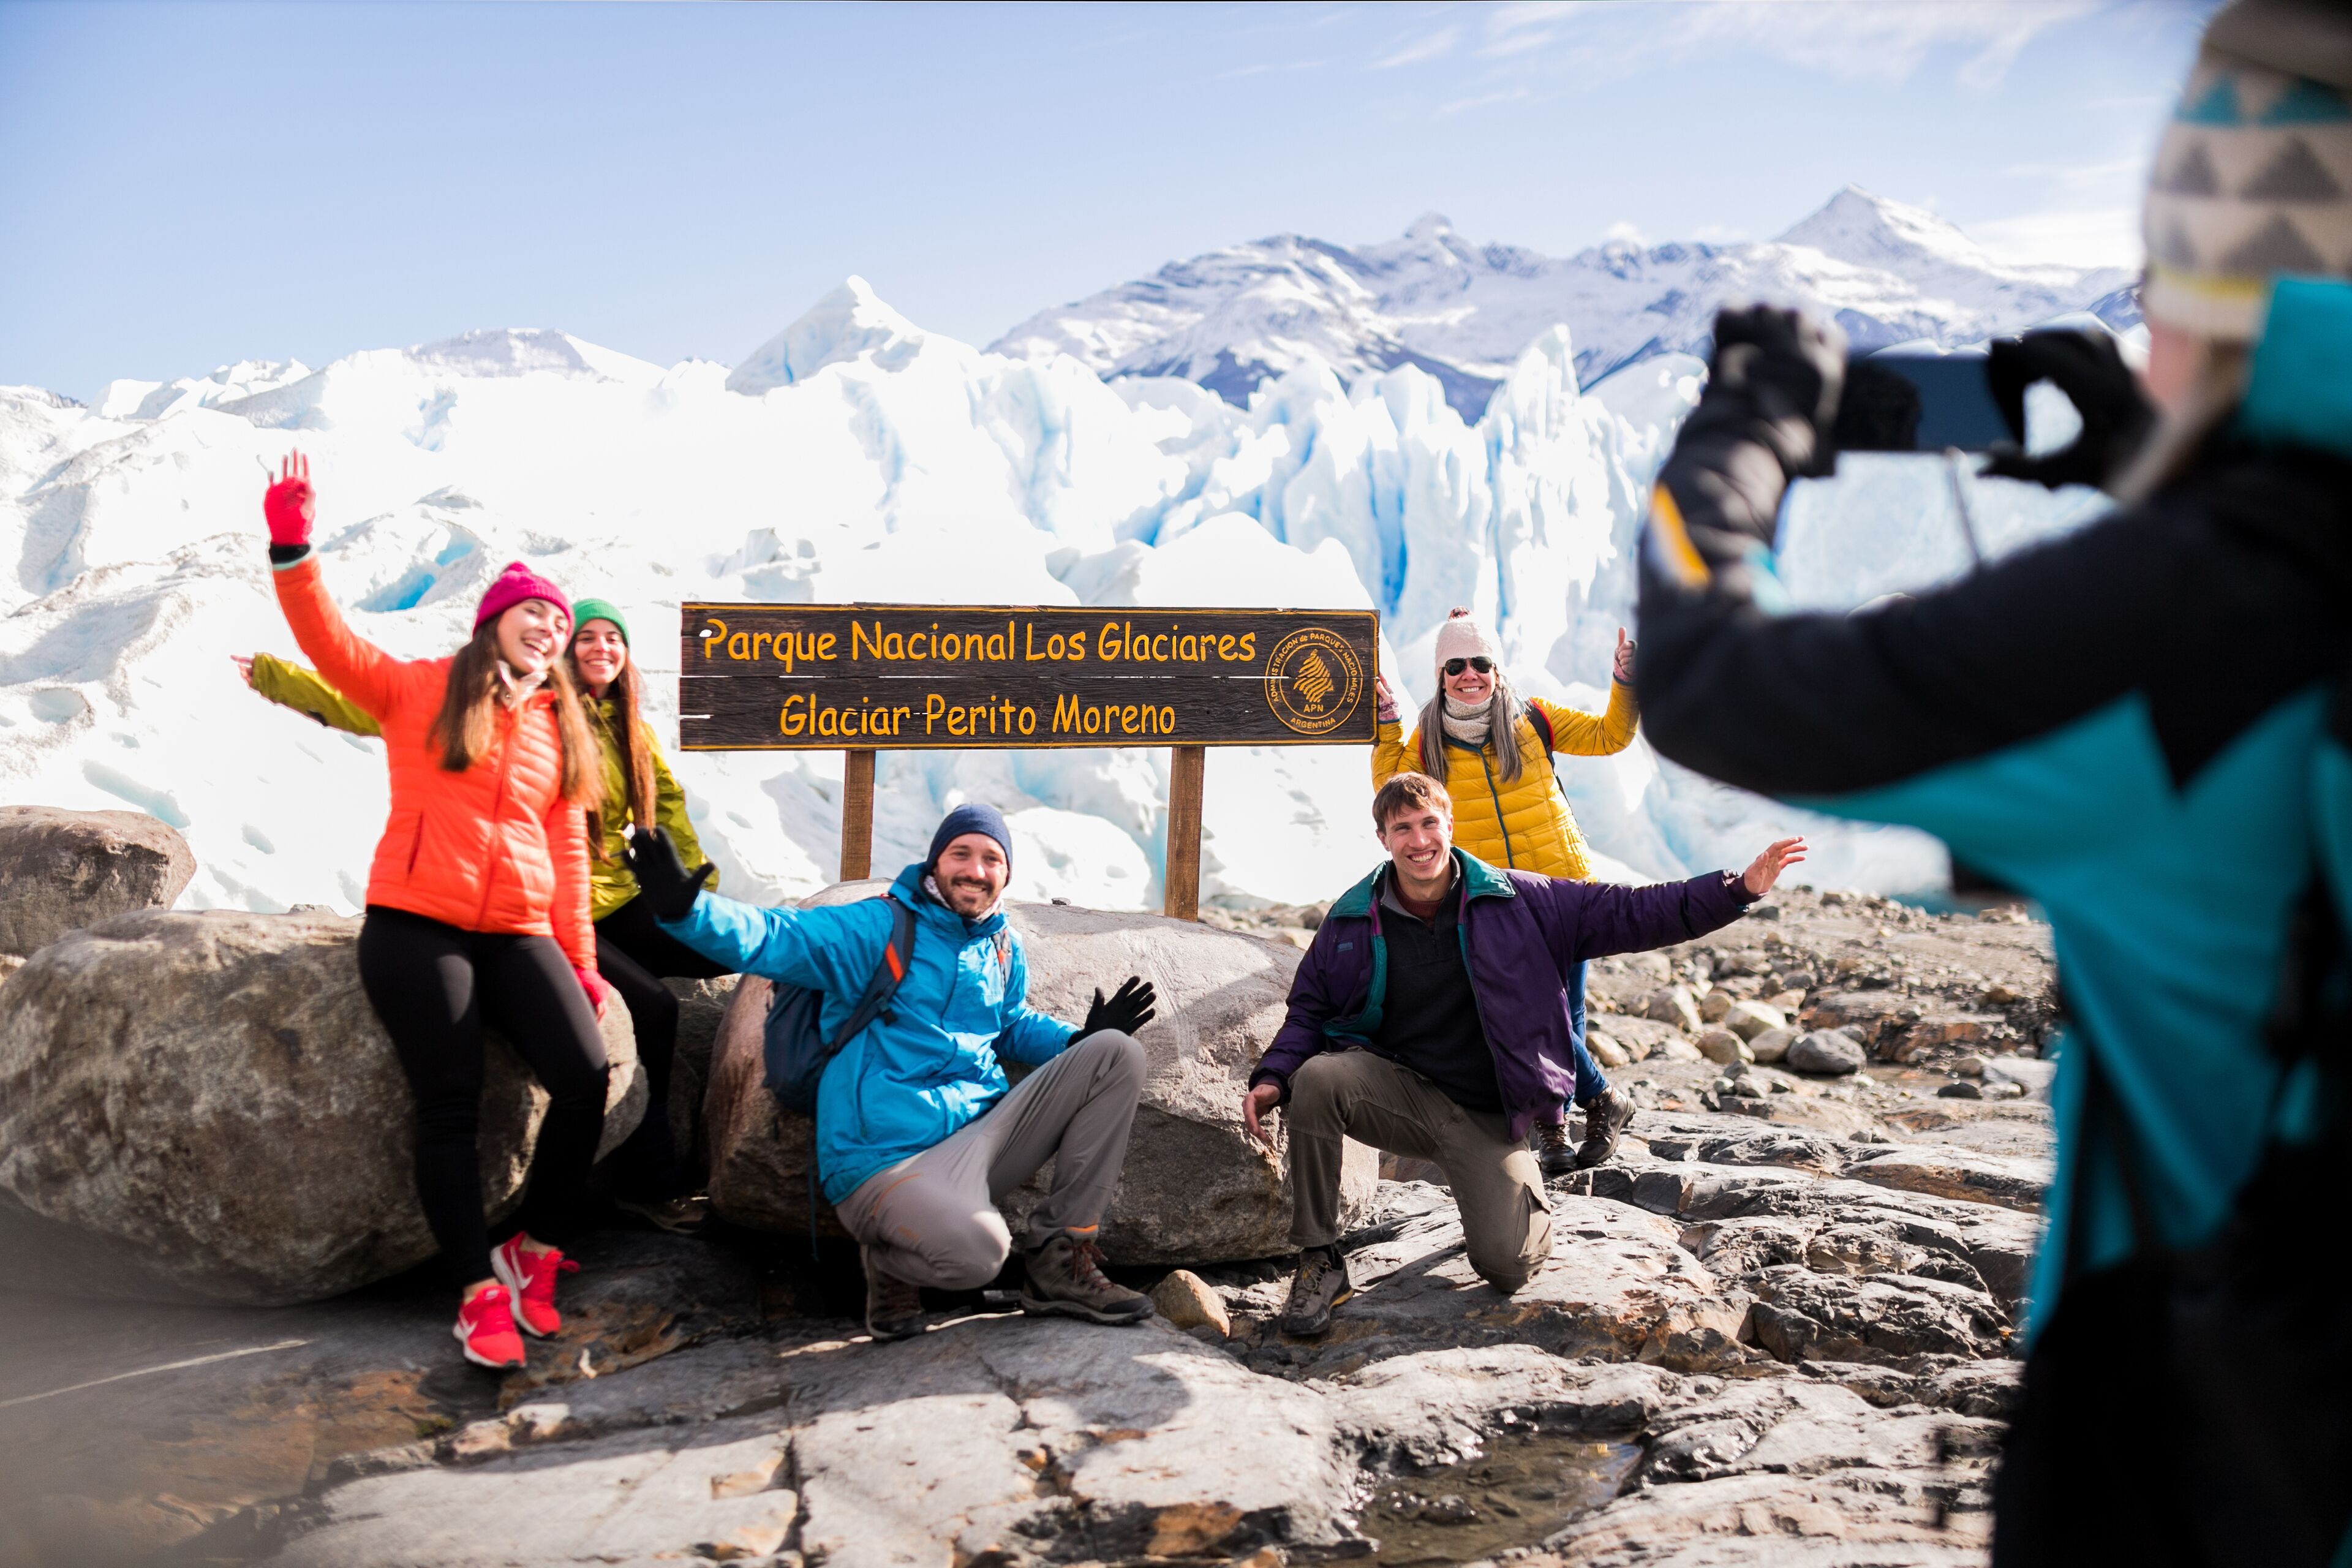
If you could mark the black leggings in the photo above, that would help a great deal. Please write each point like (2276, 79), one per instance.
(435, 986)
(634, 954)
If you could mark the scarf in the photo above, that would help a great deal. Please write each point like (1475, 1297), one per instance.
(1468, 724)
(518, 688)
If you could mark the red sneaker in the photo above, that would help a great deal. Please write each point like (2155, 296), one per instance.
(486, 1327)
(531, 1275)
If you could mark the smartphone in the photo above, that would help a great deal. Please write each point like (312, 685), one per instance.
(1899, 400)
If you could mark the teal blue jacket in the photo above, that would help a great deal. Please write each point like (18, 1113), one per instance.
(934, 1060)
(2129, 724)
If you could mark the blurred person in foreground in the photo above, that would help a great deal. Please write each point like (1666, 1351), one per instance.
(2142, 725)
(1430, 1020)
(1492, 751)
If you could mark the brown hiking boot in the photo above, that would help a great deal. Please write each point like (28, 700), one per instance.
(1065, 1279)
(1609, 1114)
(1320, 1284)
(1554, 1153)
(894, 1308)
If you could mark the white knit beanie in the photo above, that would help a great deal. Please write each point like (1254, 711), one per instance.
(1462, 637)
(2253, 176)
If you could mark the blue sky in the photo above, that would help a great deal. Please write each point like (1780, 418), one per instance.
(189, 184)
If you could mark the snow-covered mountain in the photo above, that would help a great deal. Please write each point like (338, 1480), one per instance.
(856, 456)
(1235, 317)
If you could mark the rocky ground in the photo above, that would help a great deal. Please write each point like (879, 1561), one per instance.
(1779, 1330)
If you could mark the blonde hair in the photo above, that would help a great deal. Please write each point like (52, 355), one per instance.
(2217, 384)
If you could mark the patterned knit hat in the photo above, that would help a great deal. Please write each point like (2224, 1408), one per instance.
(2253, 176)
(1461, 636)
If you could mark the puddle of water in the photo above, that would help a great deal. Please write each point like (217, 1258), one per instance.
(1527, 1484)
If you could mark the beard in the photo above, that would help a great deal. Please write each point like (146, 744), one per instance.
(970, 896)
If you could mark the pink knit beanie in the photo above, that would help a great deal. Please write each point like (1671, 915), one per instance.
(1462, 637)
(513, 586)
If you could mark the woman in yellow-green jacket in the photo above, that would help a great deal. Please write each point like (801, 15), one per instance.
(1492, 753)
(632, 953)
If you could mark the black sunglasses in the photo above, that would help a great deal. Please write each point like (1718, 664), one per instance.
(1478, 662)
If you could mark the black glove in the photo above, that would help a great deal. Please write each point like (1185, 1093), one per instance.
(1765, 418)
(1126, 1011)
(2086, 367)
(663, 881)
(1790, 369)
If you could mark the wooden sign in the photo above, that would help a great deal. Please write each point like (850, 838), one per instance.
(913, 677)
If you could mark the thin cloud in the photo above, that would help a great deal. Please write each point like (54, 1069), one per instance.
(1486, 100)
(1852, 39)
(1239, 71)
(2097, 237)
(2084, 177)
(1436, 46)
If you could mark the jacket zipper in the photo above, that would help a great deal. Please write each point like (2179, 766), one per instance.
(1462, 936)
(498, 808)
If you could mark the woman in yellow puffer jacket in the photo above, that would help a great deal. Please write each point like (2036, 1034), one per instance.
(1493, 752)
(632, 955)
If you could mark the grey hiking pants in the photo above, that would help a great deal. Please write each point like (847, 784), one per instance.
(1498, 1185)
(931, 1218)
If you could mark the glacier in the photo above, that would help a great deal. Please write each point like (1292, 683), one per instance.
(856, 456)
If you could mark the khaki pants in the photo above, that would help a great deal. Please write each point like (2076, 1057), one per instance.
(931, 1218)
(1505, 1224)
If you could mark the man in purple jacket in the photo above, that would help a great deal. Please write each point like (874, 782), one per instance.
(1430, 1020)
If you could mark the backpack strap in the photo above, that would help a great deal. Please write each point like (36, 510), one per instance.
(1543, 727)
(897, 952)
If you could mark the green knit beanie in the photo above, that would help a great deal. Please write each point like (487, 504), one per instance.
(586, 610)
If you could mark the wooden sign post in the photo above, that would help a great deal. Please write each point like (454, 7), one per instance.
(860, 678)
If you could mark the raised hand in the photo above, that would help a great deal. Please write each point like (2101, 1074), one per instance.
(289, 504)
(1126, 1011)
(1766, 869)
(2091, 372)
(244, 662)
(1621, 667)
(1385, 698)
(663, 880)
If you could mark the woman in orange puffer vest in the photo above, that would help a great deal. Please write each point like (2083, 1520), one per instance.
(477, 908)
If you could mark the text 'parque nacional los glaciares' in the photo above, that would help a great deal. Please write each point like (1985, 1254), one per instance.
(893, 676)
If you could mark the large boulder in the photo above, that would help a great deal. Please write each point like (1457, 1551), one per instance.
(1195, 1189)
(701, 1006)
(63, 870)
(204, 1106)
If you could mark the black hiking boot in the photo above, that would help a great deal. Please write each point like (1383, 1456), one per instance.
(1609, 1114)
(1064, 1278)
(894, 1308)
(1320, 1284)
(1554, 1153)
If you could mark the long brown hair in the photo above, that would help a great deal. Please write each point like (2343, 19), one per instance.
(463, 727)
(629, 734)
(1502, 731)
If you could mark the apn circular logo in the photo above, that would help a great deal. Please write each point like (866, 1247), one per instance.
(1313, 680)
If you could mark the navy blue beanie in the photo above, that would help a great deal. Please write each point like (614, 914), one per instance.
(976, 817)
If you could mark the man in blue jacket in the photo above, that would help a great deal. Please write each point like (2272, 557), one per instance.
(1430, 1018)
(918, 1136)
